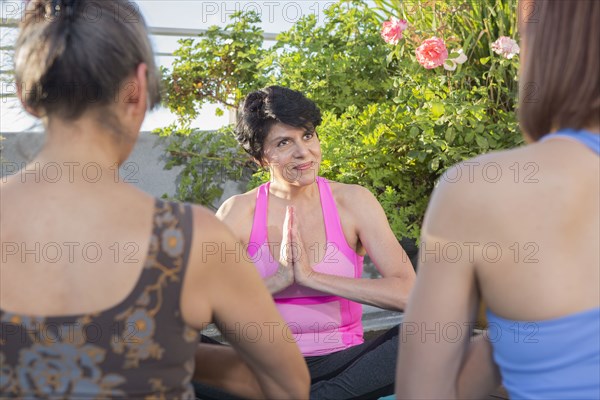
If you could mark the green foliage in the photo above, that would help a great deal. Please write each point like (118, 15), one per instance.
(337, 64)
(470, 25)
(399, 148)
(221, 68)
(399, 151)
(209, 160)
(389, 124)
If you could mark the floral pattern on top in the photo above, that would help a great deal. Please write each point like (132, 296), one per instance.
(117, 353)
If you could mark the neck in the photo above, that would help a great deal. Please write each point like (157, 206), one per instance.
(84, 141)
(293, 193)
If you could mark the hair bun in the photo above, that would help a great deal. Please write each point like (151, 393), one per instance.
(255, 101)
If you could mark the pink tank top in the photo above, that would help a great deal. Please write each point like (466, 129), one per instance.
(319, 322)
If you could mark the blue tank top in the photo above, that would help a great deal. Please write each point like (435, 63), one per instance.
(589, 139)
(551, 359)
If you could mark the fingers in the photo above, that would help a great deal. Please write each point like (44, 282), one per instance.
(286, 223)
(290, 212)
(286, 248)
(295, 243)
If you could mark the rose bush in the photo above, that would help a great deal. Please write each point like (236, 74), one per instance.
(432, 53)
(389, 123)
(506, 47)
(392, 30)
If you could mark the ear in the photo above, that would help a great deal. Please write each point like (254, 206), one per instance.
(25, 106)
(133, 92)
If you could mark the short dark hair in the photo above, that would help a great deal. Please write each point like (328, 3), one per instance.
(73, 55)
(263, 108)
(559, 78)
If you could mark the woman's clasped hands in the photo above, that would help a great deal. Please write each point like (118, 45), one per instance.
(293, 263)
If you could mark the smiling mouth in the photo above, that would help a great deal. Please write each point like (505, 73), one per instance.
(304, 166)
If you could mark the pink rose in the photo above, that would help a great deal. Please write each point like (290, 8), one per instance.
(391, 31)
(432, 53)
(506, 47)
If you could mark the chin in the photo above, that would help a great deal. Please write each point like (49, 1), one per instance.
(304, 177)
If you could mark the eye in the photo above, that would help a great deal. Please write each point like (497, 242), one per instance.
(282, 143)
(308, 135)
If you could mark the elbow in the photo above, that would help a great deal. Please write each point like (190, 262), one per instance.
(303, 390)
(303, 384)
(298, 387)
(403, 292)
(402, 303)
(418, 389)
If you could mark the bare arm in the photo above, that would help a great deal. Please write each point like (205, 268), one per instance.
(479, 375)
(221, 366)
(438, 359)
(236, 215)
(228, 290)
(392, 290)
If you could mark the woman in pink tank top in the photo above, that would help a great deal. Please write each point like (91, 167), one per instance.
(307, 237)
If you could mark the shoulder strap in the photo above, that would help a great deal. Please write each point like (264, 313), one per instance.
(331, 218)
(589, 139)
(171, 235)
(258, 234)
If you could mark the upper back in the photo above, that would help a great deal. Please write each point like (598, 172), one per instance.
(529, 219)
(105, 317)
(78, 240)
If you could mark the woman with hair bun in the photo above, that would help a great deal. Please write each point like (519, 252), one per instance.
(540, 224)
(103, 288)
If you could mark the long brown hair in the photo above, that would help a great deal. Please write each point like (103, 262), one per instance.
(560, 65)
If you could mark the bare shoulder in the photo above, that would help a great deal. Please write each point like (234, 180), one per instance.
(237, 213)
(237, 205)
(351, 196)
(348, 192)
(484, 177)
(478, 194)
(206, 224)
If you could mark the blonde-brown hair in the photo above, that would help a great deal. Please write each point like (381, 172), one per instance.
(74, 55)
(560, 65)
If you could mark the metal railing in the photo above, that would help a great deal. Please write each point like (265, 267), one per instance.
(156, 31)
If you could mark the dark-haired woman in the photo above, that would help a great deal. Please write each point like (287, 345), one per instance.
(529, 238)
(307, 237)
(103, 289)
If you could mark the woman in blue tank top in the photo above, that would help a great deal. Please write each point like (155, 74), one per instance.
(526, 243)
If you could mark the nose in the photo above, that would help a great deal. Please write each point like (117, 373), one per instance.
(300, 150)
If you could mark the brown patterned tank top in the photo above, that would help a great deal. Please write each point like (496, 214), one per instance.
(139, 349)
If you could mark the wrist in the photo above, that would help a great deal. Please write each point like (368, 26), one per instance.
(284, 276)
(306, 279)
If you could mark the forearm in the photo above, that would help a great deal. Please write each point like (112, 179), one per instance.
(390, 293)
(479, 376)
(221, 367)
(277, 282)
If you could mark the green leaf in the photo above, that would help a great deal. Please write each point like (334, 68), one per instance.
(469, 137)
(429, 94)
(484, 60)
(482, 142)
(450, 135)
(437, 109)
(390, 57)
